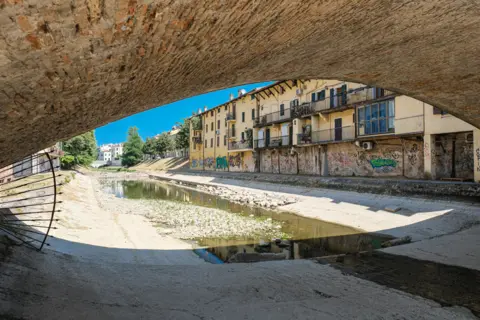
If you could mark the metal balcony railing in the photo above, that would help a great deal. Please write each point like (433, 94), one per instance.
(273, 117)
(238, 145)
(197, 139)
(230, 116)
(348, 98)
(304, 138)
(335, 134)
(280, 141)
(389, 125)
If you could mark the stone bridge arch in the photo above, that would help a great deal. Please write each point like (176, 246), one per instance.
(67, 66)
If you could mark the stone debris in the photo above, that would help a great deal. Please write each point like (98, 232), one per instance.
(187, 221)
(396, 242)
(259, 199)
(393, 209)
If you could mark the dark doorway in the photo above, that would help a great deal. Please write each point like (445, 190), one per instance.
(338, 129)
(267, 137)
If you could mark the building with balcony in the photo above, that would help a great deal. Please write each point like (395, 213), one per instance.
(336, 128)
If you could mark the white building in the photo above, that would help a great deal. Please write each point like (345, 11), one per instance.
(111, 153)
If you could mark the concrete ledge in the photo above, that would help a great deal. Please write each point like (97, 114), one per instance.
(370, 185)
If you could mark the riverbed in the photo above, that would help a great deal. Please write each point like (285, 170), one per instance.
(236, 232)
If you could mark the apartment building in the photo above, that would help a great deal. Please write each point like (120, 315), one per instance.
(336, 128)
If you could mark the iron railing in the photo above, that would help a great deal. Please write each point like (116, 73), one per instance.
(335, 134)
(28, 198)
(238, 145)
(304, 138)
(273, 117)
(280, 141)
(230, 116)
(389, 125)
(197, 139)
(348, 98)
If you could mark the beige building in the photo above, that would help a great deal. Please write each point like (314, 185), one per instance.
(336, 128)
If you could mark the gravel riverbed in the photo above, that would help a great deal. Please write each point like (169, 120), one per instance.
(187, 221)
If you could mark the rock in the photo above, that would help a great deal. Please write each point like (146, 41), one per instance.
(392, 208)
(396, 242)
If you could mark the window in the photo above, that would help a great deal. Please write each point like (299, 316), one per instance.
(211, 126)
(378, 92)
(243, 136)
(225, 122)
(282, 109)
(219, 109)
(206, 128)
(211, 113)
(218, 141)
(253, 114)
(376, 118)
(439, 111)
(225, 140)
(211, 142)
(218, 124)
(226, 107)
(252, 96)
(293, 103)
(243, 116)
(206, 145)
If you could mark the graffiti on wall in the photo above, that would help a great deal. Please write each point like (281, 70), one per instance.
(412, 154)
(477, 152)
(235, 160)
(379, 163)
(221, 163)
(194, 163)
(209, 163)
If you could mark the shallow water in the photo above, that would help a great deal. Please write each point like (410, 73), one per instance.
(304, 237)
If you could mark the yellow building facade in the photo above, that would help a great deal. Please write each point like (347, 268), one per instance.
(336, 128)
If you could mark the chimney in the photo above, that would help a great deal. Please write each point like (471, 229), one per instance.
(205, 108)
(231, 96)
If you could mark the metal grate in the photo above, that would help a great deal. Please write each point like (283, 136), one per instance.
(28, 199)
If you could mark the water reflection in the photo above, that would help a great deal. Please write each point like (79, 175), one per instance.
(304, 237)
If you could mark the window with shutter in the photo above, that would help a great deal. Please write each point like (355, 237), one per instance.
(321, 95)
(282, 109)
(344, 94)
(314, 97)
(243, 116)
(253, 114)
(332, 98)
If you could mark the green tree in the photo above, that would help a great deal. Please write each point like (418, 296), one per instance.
(79, 150)
(163, 143)
(133, 148)
(149, 146)
(182, 139)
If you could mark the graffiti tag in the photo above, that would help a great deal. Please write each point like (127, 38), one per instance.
(194, 163)
(221, 163)
(478, 159)
(209, 162)
(235, 161)
(379, 163)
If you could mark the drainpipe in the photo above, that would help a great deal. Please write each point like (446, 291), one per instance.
(215, 140)
(204, 146)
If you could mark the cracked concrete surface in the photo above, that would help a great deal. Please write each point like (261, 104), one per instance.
(54, 286)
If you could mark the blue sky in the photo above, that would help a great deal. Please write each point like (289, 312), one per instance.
(154, 121)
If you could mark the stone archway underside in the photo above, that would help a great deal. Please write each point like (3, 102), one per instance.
(67, 66)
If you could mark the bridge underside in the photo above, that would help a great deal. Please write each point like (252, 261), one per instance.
(67, 66)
